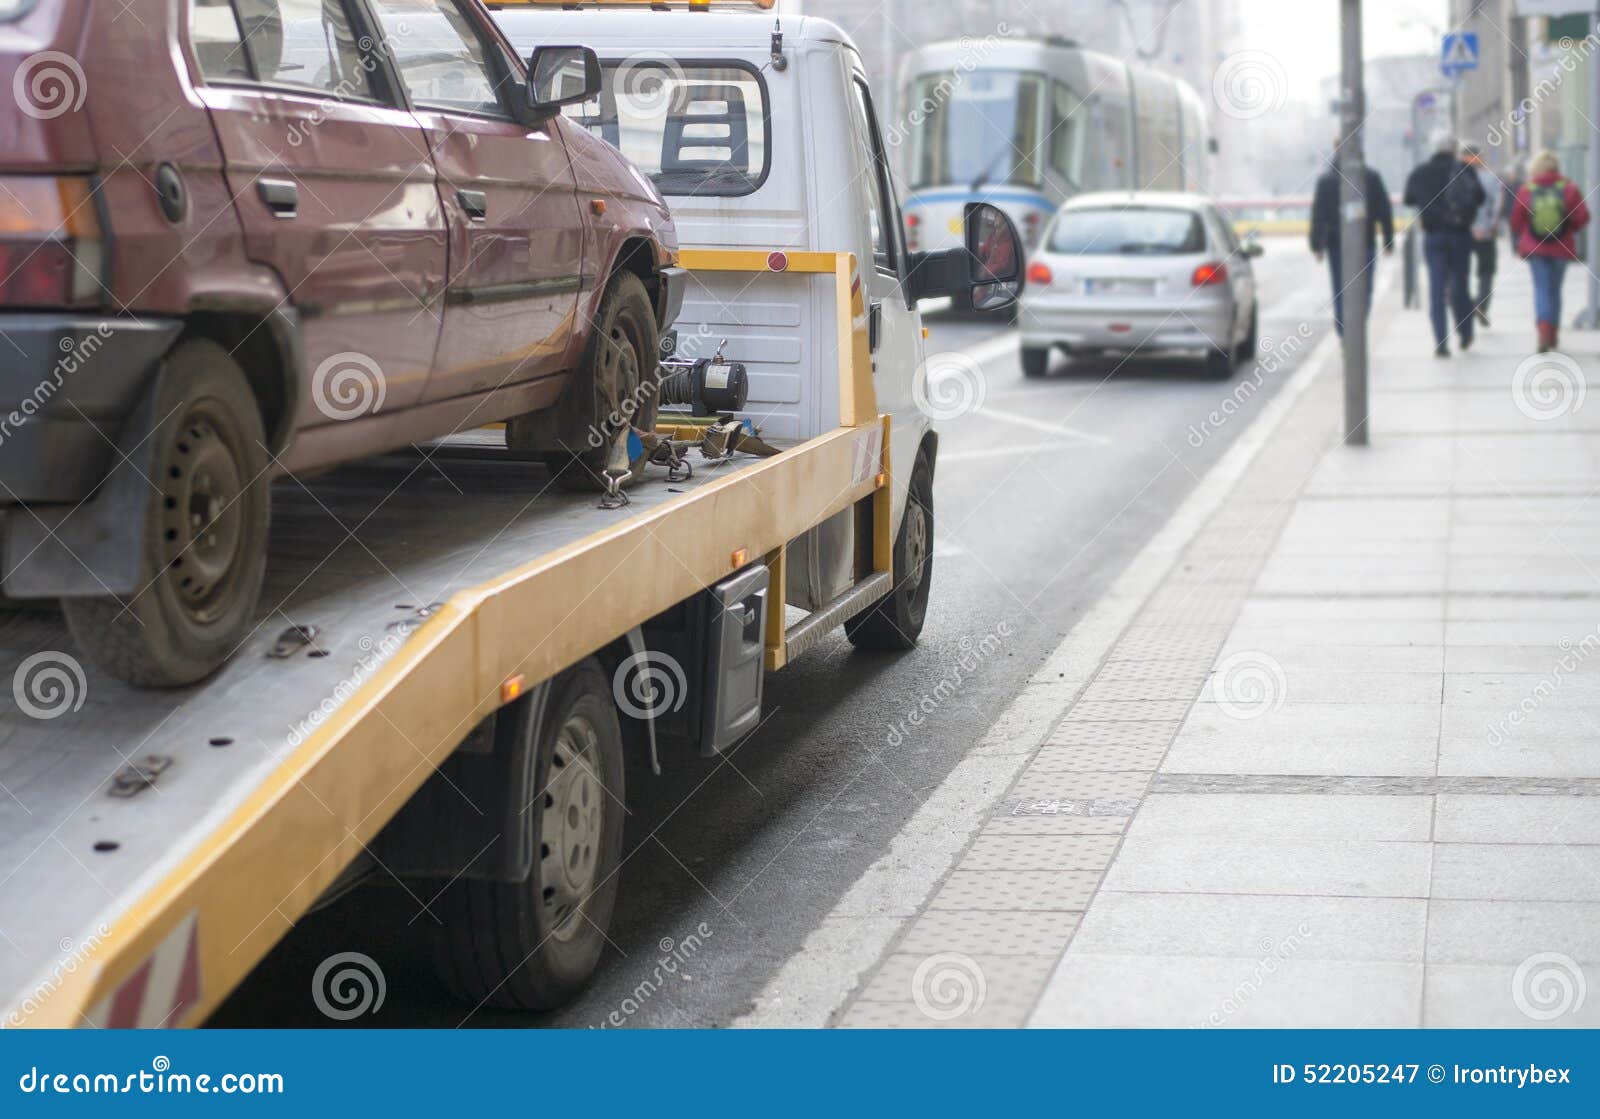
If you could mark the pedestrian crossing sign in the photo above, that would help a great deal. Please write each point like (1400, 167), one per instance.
(1459, 53)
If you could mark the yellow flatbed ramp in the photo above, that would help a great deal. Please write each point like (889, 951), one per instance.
(155, 845)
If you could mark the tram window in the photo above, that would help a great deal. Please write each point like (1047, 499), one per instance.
(976, 128)
(1066, 134)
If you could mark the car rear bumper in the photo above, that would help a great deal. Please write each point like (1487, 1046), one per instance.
(1101, 325)
(67, 383)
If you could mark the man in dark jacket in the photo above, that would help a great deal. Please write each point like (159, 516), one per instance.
(1327, 231)
(1447, 195)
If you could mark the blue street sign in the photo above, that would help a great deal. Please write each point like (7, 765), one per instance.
(1458, 53)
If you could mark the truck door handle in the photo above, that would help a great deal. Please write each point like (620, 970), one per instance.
(474, 202)
(281, 196)
(874, 325)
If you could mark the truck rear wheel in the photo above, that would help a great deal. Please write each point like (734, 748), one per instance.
(619, 369)
(205, 534)
(895, 622)
(532, 945)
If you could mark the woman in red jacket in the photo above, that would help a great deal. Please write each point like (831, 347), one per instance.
(1547, 217)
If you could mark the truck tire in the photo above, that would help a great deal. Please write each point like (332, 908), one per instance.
(205, 536)
(1035, 361)
(532, 945)
(894, 623)
(619, 368)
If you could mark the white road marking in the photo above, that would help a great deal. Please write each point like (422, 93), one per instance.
(1036, 424)
(1013, 450)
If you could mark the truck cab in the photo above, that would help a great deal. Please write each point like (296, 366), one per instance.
(761, 133)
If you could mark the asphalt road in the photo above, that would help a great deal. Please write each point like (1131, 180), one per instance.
(1042, 496)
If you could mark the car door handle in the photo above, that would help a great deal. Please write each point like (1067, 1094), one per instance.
(281, 196)
(874, 326)
(474, 202)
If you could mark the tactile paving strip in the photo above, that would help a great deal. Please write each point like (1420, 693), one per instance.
(1008, 909)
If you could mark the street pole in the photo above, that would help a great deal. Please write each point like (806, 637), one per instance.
(1353, 215)
(1590, 318)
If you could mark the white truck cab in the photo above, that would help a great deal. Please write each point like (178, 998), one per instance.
(761, 133)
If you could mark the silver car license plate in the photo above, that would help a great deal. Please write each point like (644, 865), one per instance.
(1119, 286)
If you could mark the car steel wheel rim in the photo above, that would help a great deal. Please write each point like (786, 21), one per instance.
(571, 829)
(916, 544)
(202, 515)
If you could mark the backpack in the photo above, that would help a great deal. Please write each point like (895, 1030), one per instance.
(1547, 210)
(1459, 204)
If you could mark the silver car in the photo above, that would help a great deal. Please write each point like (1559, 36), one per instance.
(1140, 271)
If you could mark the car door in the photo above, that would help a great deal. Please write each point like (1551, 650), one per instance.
(334, 189)
(517, 234)
(899, 371)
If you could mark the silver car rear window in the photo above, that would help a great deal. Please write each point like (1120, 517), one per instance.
(1128, 231)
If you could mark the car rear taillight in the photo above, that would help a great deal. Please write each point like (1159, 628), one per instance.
(913, 234)
(1039, 273)
(1031, 222)
(51, 247)
(1215, 272)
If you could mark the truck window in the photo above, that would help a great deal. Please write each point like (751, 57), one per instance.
(697, 129)
(442, 59)
(307, 44)
(880, 207)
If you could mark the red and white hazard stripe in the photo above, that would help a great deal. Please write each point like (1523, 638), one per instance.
(161, 990)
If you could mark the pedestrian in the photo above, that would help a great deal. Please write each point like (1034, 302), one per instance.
(1548, 215)
(1514, 184)
(1483, 229)
(1327, 231)
(1446, 195)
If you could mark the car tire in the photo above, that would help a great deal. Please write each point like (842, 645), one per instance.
(1252, 338)
(533, 945)
(895, 621)
(622, 354)
(1219, 364)
(207, 520)
(1035, 361)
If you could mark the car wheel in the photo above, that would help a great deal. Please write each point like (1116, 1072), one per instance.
(533, 945)
(619, 366)
(207, 518)
(894, 622)
(1035, 361)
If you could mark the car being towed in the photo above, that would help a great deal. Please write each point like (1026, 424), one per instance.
(1143, 271)
(247, 239)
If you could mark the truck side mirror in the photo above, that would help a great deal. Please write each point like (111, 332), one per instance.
(560, 76)
(997, 257)
(989, 265)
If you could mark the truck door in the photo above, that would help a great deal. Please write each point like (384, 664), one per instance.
(516, 248)
(897, 355)
(334, 190)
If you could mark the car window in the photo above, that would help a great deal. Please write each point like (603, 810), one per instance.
(1128, 231)
(443, 60)
(697, 129)
(309, 44)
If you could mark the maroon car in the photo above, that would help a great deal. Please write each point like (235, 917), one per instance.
(244, 239)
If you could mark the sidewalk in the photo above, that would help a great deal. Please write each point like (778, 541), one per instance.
(1343, 768)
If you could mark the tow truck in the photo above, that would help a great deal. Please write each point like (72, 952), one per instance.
(454, 656)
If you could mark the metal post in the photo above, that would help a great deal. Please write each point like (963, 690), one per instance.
(1353, 216)
(1590, 317)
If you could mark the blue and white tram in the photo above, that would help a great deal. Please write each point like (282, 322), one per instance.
(1027, 123)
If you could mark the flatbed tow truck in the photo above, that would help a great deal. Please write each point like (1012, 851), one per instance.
(461, 654)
